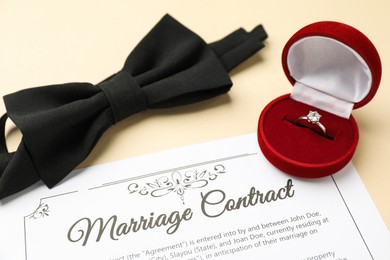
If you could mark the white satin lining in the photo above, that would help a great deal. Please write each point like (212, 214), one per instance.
(328, 74)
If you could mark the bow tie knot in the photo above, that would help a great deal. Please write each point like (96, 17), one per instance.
(124, 95)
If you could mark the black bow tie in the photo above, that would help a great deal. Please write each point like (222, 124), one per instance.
(62, 123)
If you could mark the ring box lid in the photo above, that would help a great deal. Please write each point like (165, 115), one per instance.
(332, 66)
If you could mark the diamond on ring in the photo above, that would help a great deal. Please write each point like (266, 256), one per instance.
(313, 117)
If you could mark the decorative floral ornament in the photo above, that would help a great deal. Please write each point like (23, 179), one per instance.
(177, 183)
(41, 212)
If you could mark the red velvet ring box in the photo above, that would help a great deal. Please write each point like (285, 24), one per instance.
(334, 69)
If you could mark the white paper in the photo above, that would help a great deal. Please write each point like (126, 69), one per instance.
(218, 200)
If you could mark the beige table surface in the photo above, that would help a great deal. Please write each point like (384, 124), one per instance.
(47, 42)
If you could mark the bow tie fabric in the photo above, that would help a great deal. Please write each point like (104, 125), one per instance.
(60, 124)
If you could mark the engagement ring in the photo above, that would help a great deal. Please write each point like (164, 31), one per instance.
(314, 118)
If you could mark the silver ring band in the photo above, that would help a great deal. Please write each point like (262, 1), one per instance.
(314, 118)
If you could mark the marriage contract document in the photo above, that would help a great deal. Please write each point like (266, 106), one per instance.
(217, 200)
